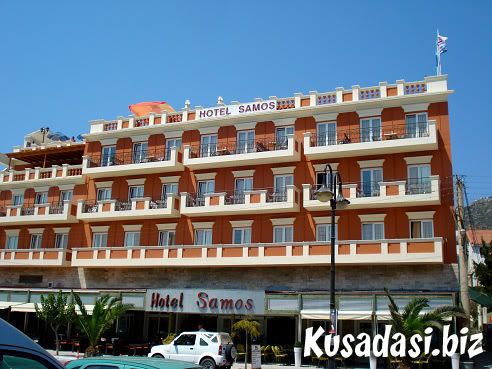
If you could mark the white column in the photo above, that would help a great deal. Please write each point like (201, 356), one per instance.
(400, 87)
(355, 92)
(313, 98)
(382, 89)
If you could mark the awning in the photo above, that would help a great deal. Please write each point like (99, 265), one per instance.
(28, 307)
(342, 315)
(480, 297)
(7, 304)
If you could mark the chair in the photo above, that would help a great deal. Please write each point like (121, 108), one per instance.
(266, 353)
(422, 361)
(393, 362)
(279, 354)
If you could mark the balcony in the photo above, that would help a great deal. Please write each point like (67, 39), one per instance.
(254, 152)
(133, 163)
(37, 257)
(247, 202)
(138, 208)
(381, 195)
(389, 140)
(400, 251)
(50, 213)
(38, 176)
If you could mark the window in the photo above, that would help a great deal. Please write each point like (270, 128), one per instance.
(245, 142)
(66, 195)
(280, 187)
(205, 187)
(241, 236)
(323, 232)
(99, 240)
(320, 176)
(203, 237)
(12, 242)
(139, 154)
(61, 240)
(203, 342)
(281, 136)
(135, 192)
(419, 179)
(416, 125)
(370, 181)
(327, 134)
(36, 239)
(373, 231)
(167, 238)
(170, 144)
(186, 340)
(370, 130)
(168, 189)
(41, 197)
(19, 360)
(282, 234)
(108, 156)
(242, 185)
(18, 200)
(132, 238)
(421, 228)
(208, 145)
(103, 194)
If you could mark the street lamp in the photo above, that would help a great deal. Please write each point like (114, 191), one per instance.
(329, 193)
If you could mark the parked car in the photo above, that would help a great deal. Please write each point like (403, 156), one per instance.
(18, 351)
(128, 362)
(208, 349)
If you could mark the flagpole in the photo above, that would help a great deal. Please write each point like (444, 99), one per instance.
(438, 55)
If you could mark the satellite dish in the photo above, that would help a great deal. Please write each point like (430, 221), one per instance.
(80, 137)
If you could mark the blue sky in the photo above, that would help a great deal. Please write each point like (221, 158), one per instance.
(64, 62)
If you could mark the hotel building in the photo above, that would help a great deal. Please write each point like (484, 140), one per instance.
(207, 214)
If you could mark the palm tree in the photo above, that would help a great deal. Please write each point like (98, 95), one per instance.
(57, 311)
(251, 328)
(411, 320)
(106, 310)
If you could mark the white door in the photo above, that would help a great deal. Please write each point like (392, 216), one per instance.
(183, 348)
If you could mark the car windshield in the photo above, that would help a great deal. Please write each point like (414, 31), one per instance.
(225, 339)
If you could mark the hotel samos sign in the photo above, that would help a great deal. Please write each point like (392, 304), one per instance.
(237, 109)
(205, 301)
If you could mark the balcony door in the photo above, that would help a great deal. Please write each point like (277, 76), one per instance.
(204, 187)
(327, 134)
(370, 181)
(208, 145)
(108, 156)
(245, 142)
(172, 143)
(416, 125)
(242, 185)
(139, 153)
(419, 179)
(281, 136)
(370, 130)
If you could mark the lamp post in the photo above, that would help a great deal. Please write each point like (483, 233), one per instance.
(330, 193)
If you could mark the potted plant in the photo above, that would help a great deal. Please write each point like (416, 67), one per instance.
(297, 354)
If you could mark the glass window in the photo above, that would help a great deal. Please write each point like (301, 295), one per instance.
(103, 194)
(203, 237)
(416, 125)
(132, 238)
(167, 238)
(203, 342)
(241, 236)
(419, 179)
(370, 129)
(66, 195)
(205, 187)
(327, 134)
(100, 239)
(282, 181)
(169, 188)
(421, 229)
(135, 192)
(17, 360)
(108, 156)
(245, 142)
(185, 340)
(323, 232)
(208, 145)
(320, 177)
(12, 242)
(281, 136)
(373, 231)
(36, 239)
(18, 200)
(61, 240)
(139, 154)
(370, 181)
(241, 186)
(170, 144)
(283, 234)
(41, 197)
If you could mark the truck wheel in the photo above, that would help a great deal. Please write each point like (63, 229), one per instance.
(158, 356)
(208, 363)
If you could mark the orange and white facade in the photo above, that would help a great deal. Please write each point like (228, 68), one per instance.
(222, 198)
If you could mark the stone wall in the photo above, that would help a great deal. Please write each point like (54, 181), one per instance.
(349, 278)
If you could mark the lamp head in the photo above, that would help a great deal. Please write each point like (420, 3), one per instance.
(342, 202)
(324, 194)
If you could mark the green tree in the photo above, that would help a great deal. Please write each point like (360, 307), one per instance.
(483, 270)
(251, 328)
(410, 320)
(57, 311)
(106, 310)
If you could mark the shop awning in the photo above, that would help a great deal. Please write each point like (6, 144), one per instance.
(7, 304)
(28, 307)
(342, 315)
(480, 297)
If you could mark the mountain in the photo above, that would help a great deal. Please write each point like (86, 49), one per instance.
(481, 213)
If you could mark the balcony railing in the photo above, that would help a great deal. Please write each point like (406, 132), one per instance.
(381, 194)
(136, 208)
(239, 147)
(377, 140)
(246, 202)
(40, 257)
(55, 212)
(28, 176)
(350, 252)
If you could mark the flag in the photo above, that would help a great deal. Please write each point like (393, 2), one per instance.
(144, 108)
(441, 44)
